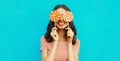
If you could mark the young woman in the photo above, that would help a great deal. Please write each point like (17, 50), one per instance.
(59, 43)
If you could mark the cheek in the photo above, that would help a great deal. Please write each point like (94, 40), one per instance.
(66, 24)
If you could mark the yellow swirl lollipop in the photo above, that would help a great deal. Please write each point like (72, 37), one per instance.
(54, 16)
(68, 17)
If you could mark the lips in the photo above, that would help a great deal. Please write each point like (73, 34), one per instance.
(61, 22)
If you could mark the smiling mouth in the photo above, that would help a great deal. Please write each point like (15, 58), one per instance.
(60, 22)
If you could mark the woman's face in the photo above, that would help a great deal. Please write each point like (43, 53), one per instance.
(61, 24)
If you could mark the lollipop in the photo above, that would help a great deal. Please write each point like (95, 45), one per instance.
(68, 17)
(54, 16)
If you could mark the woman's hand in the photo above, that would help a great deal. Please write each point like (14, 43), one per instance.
(54, 34)
(70, 35)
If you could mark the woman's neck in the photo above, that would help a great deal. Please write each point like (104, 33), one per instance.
(61, 33)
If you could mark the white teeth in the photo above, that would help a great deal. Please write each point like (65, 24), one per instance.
(61, 23)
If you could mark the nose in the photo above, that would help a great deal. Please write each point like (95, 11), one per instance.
(61, 20)
(61, 17)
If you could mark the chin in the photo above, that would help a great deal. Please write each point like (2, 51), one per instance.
(61, 27)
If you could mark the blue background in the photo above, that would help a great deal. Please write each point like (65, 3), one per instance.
(23, 22)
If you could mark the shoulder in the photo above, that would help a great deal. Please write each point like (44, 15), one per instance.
(77, 41)
(43, 43)
(77, 44)
(42, 39)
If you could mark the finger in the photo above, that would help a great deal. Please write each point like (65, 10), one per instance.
(54, 29)
(70, 33)
(68, 36)
(53, 34)
(68, 28)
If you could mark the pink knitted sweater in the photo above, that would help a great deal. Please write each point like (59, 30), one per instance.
(62, 49)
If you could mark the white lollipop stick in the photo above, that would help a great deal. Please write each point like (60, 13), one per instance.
(55, 24)
(68, 25)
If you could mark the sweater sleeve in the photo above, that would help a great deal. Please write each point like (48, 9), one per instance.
(43, 44)
(76, 47)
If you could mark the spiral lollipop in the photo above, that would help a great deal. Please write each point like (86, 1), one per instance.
(54, 16)
(68, 17)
